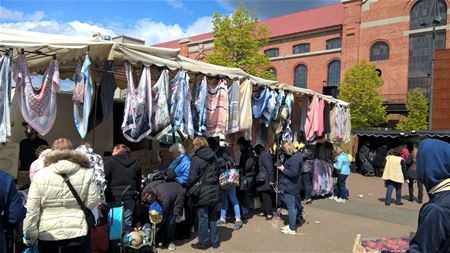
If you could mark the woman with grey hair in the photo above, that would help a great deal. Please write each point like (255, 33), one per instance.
(180, 165)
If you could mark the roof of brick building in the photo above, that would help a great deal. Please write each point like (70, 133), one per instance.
(298, 22)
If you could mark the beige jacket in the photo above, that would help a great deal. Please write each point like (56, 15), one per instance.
(393, 169)
(52, 211)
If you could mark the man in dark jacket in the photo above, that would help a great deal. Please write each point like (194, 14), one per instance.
(307, 170)
(204, 175)
(11, 206)
(170, 196)
(247, 163)
(265, 165)
(290, 185)
(433, 169)
(124, 178)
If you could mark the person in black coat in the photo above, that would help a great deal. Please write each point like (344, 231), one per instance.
(170, 195)
(307, 170)
(205, 171)
(289, 185)
(265, 165)
(247, 163)
(122, 171)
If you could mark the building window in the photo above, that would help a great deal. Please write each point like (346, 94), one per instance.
(334, 43)
(334, 73)
(422, 13)
(274, 73)
(300, 48)
(420, 45)
(272, 52)
(301, 76)
(379, 51)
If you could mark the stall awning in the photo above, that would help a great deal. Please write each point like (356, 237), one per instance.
(399, 134)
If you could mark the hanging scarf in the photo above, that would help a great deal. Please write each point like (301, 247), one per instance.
(267, 114)
(233, 97)
(5, 97)
(245, 108)
(180, 104)
(340, 121)
(259, 102)
(200, 106)
(83, 101)
(38, 107)
(217, 109)
(160, 92)
(347, 126)
(312, 119)
(286, 109)
(303, 114)
(280, 100)
(108, 87)
(138, 106)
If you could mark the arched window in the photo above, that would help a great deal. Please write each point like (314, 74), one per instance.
(301, 76)
(274, 72)
(423, 14)
(334, 73)
(379, 51)
(300, 48)
(272, 52)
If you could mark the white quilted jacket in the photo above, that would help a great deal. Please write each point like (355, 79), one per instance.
(52, 211)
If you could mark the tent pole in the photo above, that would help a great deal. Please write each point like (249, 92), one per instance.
(95, 115)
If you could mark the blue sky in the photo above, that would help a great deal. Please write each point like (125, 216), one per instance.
(152, 20)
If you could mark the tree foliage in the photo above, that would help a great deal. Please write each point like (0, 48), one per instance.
(361, 88)
(417, 106)
(238, 40)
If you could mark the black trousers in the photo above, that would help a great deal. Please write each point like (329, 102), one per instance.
(74, 245)
(266, 197)
(419, 189)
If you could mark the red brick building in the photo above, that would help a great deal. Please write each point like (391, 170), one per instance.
(313, 48)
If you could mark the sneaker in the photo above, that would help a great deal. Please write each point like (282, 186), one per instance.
(237, 225)
(199, 246)
(285, 228)
(339, 200)
(288, 231)
(333, 198)
(221, 222)
(309, 201)
(171, 246)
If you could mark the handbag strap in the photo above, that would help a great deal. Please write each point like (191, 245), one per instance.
(74, 192)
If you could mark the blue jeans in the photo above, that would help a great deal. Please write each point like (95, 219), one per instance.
(390, 188)
(128, 211)
(207, 218)
(291, 203)
(170, 227)
(341, 188)
(230, 193)
(307, 179)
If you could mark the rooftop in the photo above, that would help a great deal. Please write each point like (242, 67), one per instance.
(298, 22)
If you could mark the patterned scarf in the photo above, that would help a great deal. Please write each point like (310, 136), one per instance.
(200, 106)
(180, 104)
(82, 107)
(259, 102)
(5, 98)
(217, 109)
(160, 91)
(233, 97)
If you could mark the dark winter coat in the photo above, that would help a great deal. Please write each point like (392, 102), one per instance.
(247, 162)
(223, 159)
(171, 196)
(11, 206)
(290, 176)
(120, 171)
(265, 163)
(204, 161)
(308, 159)
(380, 157)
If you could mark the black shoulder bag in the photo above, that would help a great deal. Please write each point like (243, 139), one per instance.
(90, 218)
(194, 191)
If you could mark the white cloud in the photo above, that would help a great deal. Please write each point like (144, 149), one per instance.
(176, 3)
(151, 31)
(12, 15)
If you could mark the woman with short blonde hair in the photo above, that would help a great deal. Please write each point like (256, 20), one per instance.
(199, 143)
(289, 148)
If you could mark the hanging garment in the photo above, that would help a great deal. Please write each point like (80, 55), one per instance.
(326, 119)
(303, 115)
(245, 108)
(160, 113)
(312, 119)
(38, 107)
(340, 121)
(347, 126)
(82, 97)
(320, 113)
(259, 102)
(138, 106)
(280, 100)
(333, 124)
(322, 182)
(217, 109)
(200, 106)
(108, 87)
(286, 108)
(287, 132)
(233, 118)
(267, 114)
(180, 104)
(5, 97)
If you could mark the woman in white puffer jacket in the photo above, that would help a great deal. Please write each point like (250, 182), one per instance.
(53, 214)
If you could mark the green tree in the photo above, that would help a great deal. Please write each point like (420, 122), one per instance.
(361, 88)
(417, 106)
(238, 41)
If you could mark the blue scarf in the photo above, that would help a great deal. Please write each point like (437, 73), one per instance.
(259, 103)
